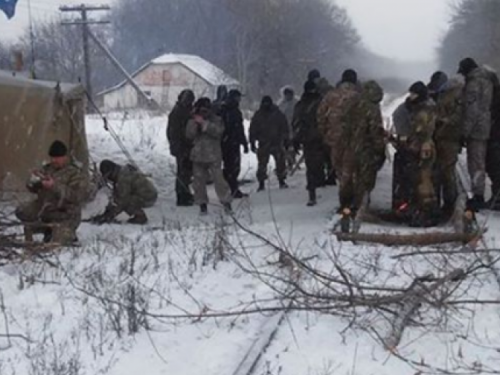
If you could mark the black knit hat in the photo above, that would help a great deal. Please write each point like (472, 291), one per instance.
(57, 149)
(107, 167)
(466, 66)
(313, 74)
(350, 76)
(266, 100)
(204, 102)
(438, 80)
(420, 89)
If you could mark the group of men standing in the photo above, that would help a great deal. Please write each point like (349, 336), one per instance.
(341, 133)
(432, 126)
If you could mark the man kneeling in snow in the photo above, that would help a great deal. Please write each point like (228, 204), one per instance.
(132, 192)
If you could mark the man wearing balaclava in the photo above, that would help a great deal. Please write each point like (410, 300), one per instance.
(269, 128)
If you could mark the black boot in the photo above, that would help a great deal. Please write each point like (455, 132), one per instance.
(283, 184)
(239, 195)
(139, 218)
(476, 203)
(203, 209)
(312, 198)
(262, 186)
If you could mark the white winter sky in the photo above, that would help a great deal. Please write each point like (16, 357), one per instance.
(404, 29)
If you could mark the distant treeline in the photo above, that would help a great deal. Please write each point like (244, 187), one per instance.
(265, 44)
(474, 32)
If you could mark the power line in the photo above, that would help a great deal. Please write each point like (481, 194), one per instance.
(85, 22)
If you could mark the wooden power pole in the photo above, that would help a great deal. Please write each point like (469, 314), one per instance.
(84, 22)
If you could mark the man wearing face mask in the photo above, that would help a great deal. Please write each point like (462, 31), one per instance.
(233, 140)
(180, 146)
(421, 146)
(269, 128)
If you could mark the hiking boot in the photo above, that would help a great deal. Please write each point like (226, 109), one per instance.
(312, 198)
(283, 184)
(139, 218)
(203, 209)
(227, 208)
(239, 195)
(262, 186)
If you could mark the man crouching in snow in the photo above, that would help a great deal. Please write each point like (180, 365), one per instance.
(205, 129)
(132, 192)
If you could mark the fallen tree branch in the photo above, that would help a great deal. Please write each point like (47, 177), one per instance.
(419, 239)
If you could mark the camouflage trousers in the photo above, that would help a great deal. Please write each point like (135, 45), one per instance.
(264, 154)
(493, 168)
(63, 223)
(357, 180)
(476, 164)
(446, 175)
(135, 204)
(202, 172)
(424, 199)
(405, 168)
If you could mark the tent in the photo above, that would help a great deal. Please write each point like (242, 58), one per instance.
(33, 114)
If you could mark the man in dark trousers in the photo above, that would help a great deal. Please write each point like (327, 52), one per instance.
(232, 140)
(305, 124)
(180, 146)
(270, 129)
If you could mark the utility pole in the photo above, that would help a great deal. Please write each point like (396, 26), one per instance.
(84, 22)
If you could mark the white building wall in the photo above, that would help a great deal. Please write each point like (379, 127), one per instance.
(163, 83)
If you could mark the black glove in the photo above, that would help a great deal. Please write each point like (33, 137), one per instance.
(253, 148)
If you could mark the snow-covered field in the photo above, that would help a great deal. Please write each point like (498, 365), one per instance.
(138, 300)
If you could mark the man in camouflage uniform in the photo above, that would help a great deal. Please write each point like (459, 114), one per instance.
(270, 129)
(331, 113)
(132, 193)
(180, 146)
(361, 148)
(404, 165)
(447, 137)
(493, 153)
(305, 124)
(60, 188)
(477, 100)
(233, 140)
(205, 130)
(287, 106)
(421, 146)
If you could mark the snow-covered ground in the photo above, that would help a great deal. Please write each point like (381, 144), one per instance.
(74, 315)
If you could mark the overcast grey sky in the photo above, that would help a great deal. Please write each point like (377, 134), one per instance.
(406, 29)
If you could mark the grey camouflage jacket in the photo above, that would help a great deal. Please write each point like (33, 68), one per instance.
(206, 139)
(477, 99)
